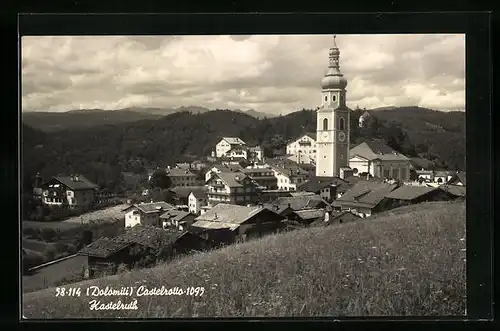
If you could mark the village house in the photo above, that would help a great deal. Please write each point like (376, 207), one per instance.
(424, 175)
(285, 206)
(329, 188)
(105, 254)
(457, 191)
(232, 188)
(237, 152)
(310, 168)
(409, 194)
(145, 213)
(379, 160)
(181, 194)
(255, 154)
(303, 148)
(443, 176)
(182, 177)
(307, 216)
(227, 223)
(196, 200)
(264, 177)
(366, 119)
(226, 144)
(301, 159)
(288, 178)
(216, 169)
(176, 219)
(365, 198)
(75, 191)
(420, 163)
(457, 179)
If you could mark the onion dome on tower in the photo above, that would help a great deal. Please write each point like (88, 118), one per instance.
(334, 79)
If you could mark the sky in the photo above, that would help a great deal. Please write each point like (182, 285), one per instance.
(275, 74)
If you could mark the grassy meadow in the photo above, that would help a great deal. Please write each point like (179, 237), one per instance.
(410, 261)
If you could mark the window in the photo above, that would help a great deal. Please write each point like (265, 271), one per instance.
(334, 98)
(325, 124)
(326, 98)
(341, 124)
(395, 173)
(403, 173)
(386, 173)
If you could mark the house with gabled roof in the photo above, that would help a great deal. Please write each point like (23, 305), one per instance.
(105, 254)
(379, 160)
(226, 144)
(303, 148)
(287, 205)
(74, 190)
(176, 219)
(226, 223)
(218, 168)
(231, 187)
(329, 188)
(182, 177)
(365, 197)
(458, 179)
(145, 213)
(413, 194)
(289, 177)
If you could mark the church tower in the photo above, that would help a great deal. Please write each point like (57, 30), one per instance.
(333, 118)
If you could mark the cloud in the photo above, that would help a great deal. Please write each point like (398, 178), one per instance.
(269, 73)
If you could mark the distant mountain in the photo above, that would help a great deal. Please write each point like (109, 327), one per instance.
(81, 118)
(52, 121)
(102, 152)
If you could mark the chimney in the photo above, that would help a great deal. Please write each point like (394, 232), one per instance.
(289, 206)
(368, 176)
(215, 216)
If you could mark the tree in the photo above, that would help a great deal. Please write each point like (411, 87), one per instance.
(160, 179)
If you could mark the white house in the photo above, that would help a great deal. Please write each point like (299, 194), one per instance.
(442, 177)
(305, 146)
(196, 200)
(379, 160)
(288, 178)
(255, 154)
(226, 144)
(221, 168)
(145, 213)
(237, 151)
(75, 190)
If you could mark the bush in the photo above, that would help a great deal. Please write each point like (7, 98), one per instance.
(50, 253)
(48, 234)
(122, 267)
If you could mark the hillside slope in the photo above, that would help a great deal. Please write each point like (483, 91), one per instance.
(408, 263)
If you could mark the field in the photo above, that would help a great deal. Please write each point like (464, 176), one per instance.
(114, 212)
(66, 269)
(410, 262)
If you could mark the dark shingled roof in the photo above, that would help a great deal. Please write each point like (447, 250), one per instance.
(410, 192)
(81, 184)
(176, 172)
(231, 214)
(296, 203)
(151, 207)
(185, 191)
(232, 179)
(175, 215)
(365, 194)
(104, 247)
(310, 214)
(315, 184)
(150, 236)
(458, 191)
(377, 149)
(421, 163)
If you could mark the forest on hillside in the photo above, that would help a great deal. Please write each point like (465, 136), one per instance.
(103, 152)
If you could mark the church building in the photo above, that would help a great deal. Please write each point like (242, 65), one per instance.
(332, 133)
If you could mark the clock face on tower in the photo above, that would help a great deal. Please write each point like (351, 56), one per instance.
(341, 136)
(325, 136)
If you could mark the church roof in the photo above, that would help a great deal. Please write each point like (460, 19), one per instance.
(377, 149)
